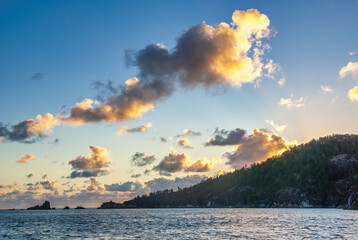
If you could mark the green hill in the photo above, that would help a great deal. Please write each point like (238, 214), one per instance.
(321, 173)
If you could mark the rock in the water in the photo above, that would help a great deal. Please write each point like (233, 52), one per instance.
(352, 202)
(79, 207)
(44, 206)
(109, 205)
(67, 207)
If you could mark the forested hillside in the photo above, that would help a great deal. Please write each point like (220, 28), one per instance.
(321, 173)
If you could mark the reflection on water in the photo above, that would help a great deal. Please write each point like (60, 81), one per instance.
(180, 224)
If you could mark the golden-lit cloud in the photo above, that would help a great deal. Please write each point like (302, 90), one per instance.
(176, 162)
(276, 127)
(126, 129)
(26, 158)
(353, 94)
(220, 172)
(257, 147)
(350, 68)
(30, 130)
(202, 165)
(95, 164)
(292, 103)
(185, 143)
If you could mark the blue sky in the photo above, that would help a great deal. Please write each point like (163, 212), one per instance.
(52, 52)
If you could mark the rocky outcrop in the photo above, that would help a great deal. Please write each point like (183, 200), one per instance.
(67, 208)
(79, 207)
(110, 205)
(44, 206)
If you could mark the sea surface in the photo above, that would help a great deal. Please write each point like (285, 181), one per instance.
(224, 223)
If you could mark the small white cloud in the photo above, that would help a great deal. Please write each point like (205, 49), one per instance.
(353, 94)
(276, 127)
(351, 53)
(350, 68)
(292, 103)
(281, 82)
(327, 89)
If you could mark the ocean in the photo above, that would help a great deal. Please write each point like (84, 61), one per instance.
(180, 223)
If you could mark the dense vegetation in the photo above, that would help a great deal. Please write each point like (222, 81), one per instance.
(321, 173)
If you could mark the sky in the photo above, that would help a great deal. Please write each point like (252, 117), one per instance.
(109, 100)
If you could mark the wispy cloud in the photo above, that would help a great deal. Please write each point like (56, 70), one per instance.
(276, 127)
(292, 103)
(126, 129)
(26, 158)
(327, 89)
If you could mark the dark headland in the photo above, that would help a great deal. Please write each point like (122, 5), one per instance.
(321, 173)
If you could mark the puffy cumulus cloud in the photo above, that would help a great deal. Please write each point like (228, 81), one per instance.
(326, 89)
(257, 147)
(176, 162)
(202, 165)
(292, 103)
(93, 185)
(188, 132)
(281, 82)
(224, 138)
(185, 143)
(124, 187)
(276, 127)
(49, 185)
(224, 55)
(220, 172)
(350, 69)
(30, 130)
(353, 94)
(126, 129)
(26, 158)
(142, 159)
(96, 164)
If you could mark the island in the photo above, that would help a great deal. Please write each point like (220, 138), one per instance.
(322, 173)
(44, 206)
(79, 207)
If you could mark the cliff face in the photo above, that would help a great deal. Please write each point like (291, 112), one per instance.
(321, 173)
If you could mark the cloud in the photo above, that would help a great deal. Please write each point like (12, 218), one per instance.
(176, 162)
(188, 132)
(352, 53)
(257, 147)
(96, 164)
(202, 165)
(124, 187)
(44, 176)
(276, 127)
(327, 89)
(224, 138)
(49, 185)
(37, 76)
(29, 175)
(136, 175)
(224, 55)
(281, 82)
(185, 143)
(165, 139)
(353, 94)
(93, 185)
(26, 158)
(292, 103)
(30, 130)
(351, 68)
(126, 129)
(159, 184)
(141, 159)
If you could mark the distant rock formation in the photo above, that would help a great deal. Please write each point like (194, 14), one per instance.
(79, 207)
(67, 208)
(44, 206)
(110, 205)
